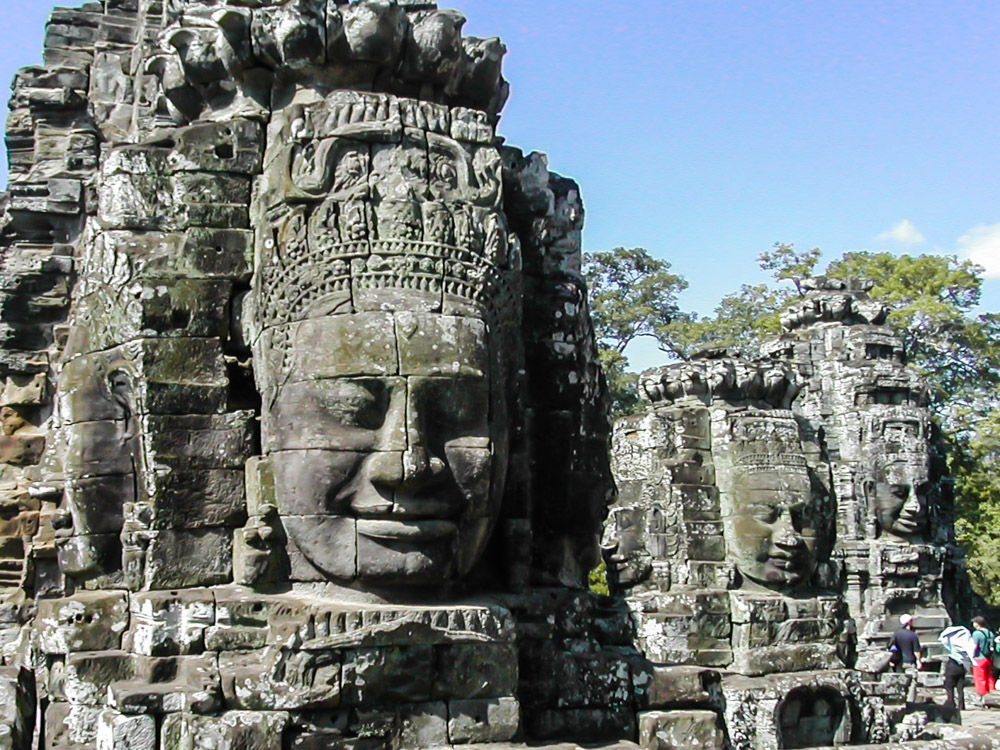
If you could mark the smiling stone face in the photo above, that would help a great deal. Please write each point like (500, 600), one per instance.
(772, 520)
(772, 527)
(899, 487)
(388, 479)
(382, 294)
(900, 499)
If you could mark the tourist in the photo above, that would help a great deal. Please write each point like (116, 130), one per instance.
(907, 654)
(982, 666)
(961, 650)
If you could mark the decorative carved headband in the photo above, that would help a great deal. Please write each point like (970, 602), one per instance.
(765, 442)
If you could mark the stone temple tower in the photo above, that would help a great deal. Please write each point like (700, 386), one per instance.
(303, 438)
(303, 431)
(776, 516)
(895, 515)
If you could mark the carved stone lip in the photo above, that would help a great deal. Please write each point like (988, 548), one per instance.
(787, 563)
(393, 530)
(909, 524)
(424, 508)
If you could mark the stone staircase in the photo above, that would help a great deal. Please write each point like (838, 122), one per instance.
(930, 680)
(12, 562)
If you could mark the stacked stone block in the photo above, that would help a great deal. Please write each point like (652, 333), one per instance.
(182, 666)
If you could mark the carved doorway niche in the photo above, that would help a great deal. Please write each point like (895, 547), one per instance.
(813, 717)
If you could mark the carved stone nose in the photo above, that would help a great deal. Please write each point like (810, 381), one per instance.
(913, 503)
(786, 535)
(419, 465)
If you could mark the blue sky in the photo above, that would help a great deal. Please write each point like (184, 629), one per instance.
(707, 130)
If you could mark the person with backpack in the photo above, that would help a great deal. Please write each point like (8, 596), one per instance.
(982, 665)
(960, 650)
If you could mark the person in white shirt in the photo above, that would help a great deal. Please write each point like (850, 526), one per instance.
(961, 650)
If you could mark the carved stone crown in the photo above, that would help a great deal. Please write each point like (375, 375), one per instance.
(764, 442)
(422, 217)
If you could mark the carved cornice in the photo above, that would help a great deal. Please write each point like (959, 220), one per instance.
(728, 379)
(209, 48)
(829, 300)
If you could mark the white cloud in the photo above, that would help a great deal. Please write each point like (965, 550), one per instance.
(904, 233)
(981, 245)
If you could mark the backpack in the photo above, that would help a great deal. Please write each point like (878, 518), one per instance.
(989, 644)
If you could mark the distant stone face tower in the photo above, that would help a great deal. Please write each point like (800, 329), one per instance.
(297, 355)
(775, 517)
(895, 518)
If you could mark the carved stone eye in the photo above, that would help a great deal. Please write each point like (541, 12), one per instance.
(901, 491)
(764, 513)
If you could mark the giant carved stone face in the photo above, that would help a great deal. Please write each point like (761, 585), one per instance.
(381, 292)
(771, 527)
(394, 477)
(900, 499)
(899, 490)
(772, 519)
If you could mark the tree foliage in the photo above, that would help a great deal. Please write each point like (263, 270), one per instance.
(632, 295)
(974, 461)
(741, 321)
(788, 264)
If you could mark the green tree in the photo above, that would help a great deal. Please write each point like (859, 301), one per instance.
(741, 321)
(933, 300)
(788, 264)
(974, 461)
(745, 318)
(632, 295)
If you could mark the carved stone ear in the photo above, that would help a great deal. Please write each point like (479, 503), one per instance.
(868, 488)
(240, 317)
(120, 387)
